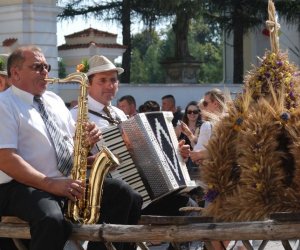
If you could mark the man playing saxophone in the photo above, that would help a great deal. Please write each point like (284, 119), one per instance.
(34, 181)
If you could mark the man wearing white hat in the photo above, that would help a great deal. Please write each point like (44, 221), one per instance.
(120, 203)
(3, 73)
(103, 86)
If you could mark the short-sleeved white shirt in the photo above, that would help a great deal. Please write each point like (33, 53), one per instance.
(204, 136)
(23, 129)
(98, 107)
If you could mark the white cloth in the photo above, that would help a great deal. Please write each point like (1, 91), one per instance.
(98, 107)
(204, 136)
(23, 129)
(99, 121)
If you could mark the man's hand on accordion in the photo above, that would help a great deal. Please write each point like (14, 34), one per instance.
(184, 149)
(198, 156)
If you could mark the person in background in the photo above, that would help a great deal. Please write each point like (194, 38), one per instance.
(212, 104)
(3, 73)
(33, 175)
(120, 203)
(149, 106)
(5, 243)
(128, 105)
(189, 129)
(169, 104)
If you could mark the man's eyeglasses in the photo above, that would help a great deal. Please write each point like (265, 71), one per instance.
(195, 112)
(39, 67)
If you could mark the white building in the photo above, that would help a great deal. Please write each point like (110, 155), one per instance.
(30, 22)
(86, 43)
(255, 45)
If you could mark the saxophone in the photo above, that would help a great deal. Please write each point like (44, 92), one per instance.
(87, 209)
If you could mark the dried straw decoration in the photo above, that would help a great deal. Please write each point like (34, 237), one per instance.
(253, 168)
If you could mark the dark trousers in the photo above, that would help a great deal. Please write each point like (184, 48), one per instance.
(7, 244)
(49, 231)
(43, 212)
(167, 206)
(120, 205)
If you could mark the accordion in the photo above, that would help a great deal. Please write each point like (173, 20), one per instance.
(147, 147)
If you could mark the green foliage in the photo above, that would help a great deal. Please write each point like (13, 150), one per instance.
(150, 48)
(138, 71)
(168, 49)
(2, 64)
(145, 58)
(152, 62)
(210, 56)
(205, 42)
(61, 69)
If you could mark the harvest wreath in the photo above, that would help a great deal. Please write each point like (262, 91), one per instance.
(253, 167)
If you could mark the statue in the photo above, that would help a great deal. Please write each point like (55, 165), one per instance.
(181, 29)
(182, 67)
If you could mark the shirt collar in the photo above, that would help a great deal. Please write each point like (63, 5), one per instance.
(23, 95)
(95, 105)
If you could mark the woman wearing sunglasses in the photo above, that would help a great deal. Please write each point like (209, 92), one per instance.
(188, 129)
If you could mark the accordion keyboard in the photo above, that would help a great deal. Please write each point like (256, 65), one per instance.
(127, 170)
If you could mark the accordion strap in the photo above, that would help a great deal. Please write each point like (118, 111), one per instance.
(110, 120)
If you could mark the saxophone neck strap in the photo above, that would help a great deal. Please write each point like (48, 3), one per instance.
(110, 120)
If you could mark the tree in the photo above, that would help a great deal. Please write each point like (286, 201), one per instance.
(237, 17)
(146, 55)
(138, 71)
(182, 11)
(61, 69)
(150, 47)
(206, 44)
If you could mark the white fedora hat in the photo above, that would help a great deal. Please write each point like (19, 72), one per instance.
(3, 62)
(98, 64)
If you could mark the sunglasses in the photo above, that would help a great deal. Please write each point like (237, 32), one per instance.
(195, 112)
(39, 67)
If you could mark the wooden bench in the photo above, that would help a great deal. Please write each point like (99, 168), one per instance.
(282, 227)
(15, 228)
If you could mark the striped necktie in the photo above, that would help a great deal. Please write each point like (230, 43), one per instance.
(107, 112)
(112, 120)
(63, 154)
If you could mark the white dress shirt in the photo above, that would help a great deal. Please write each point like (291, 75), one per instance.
(22, 128)
(99, 121)
(98, 107)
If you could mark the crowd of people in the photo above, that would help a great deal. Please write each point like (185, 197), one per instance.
(34, 174)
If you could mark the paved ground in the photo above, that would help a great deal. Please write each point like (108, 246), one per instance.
(272, 245)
